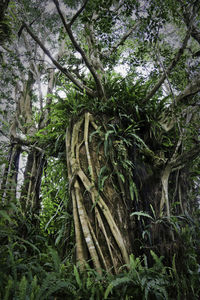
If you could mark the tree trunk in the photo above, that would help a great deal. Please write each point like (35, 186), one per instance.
(9, 183)
(108, 182)
(100, 208)
(30, 194)
(4, 27)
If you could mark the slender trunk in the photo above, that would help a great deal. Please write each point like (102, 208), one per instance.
(9, 183)
(30, 194)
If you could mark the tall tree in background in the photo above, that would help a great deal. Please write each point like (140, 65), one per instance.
(4, 25)
(131, 140)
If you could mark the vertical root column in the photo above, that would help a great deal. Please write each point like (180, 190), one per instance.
(30, 193)
(165, 196)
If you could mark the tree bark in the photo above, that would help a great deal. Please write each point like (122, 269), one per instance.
(105, 192)
(101, 217)
(30, 194)
(9, 183)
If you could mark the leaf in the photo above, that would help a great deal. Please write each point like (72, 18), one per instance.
(133, 190)
(94, 133)
(141, 214)
(153, 211)
(8, 289)
(28, 243)
(34, 288)
(102, 178)
(77, 276)
(4, 214)
(115, 283)
(106, 141)
(121, 177)
(22, 288)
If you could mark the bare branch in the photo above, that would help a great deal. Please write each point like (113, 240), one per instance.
(169, 69)
(185, 158)
(195, 33)
(78, 13)
(87, 61)
(124, 38)
(93, 50)
(56, 63)
(190, 90)
(188, 19)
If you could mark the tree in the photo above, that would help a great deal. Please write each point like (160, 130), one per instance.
(4, 23)
(132, 140)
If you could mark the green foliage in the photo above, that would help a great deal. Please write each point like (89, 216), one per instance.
(36, 258)
(33, 269)
(54, 195)
(141, 281)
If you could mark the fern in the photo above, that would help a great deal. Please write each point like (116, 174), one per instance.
(135, 263)
(28, 243)
(56, 259)
(156, 288)
(22, 288)
(8, 289)
(77, 276)
(158, 262)
(67, 287)
(116, 283)
(34, 288)
(5, 215)
(12, 263)
(46, 284)
(133, 190)
(53, 283)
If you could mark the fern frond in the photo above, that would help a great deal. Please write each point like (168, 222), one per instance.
(56, 259)
(22, 288)
(77, 276)
(68, 289)
(8, 289)
(34, 288)
(115, 283)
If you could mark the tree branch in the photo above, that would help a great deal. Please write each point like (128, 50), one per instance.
(59, 66)
(185, 158)
(87, 61)
(78, 13)
(170, 67)
(167, 120)
(195, 33)
(190, 90)
(124, 37)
